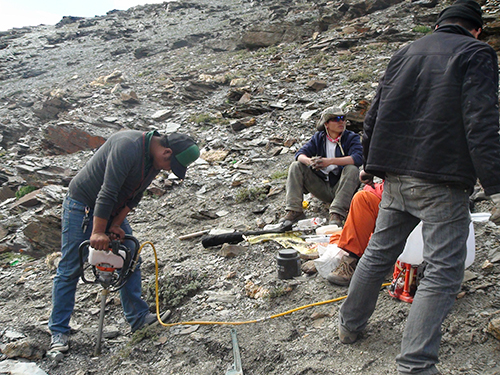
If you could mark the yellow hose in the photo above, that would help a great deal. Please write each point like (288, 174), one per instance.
(227, 323)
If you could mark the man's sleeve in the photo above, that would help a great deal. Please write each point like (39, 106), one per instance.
(356, 150)
(134, 202)
(369, 122)
(481, 117)
(118, 165)
(310, 149)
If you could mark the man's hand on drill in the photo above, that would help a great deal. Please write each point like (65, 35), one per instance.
(99, 241)
(116, 232)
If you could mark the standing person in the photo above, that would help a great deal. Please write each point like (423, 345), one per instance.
(327, 167)
(102, 194)
(431, 131)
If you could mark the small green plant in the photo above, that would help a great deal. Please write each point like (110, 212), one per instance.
(362, 76)
(319, 58)
(174, 289)
(278, 292)
(313, 61)
(14, 259)
(347, 57)
(122, 353)
(140, 335)
(251, 194)
(198, 119)
(422, 29)
(145, 73)
(266, 51)
(207, 118)
(150, 195)
(24, 190)
(279, 175)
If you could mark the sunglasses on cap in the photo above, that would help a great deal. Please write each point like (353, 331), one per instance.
(337, 118)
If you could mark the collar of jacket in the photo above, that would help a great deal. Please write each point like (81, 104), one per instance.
(453, 29)
(342, 137)
(339, 143)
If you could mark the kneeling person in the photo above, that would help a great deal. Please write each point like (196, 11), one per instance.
(358, 228)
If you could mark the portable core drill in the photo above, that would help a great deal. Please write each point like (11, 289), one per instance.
(111, 268)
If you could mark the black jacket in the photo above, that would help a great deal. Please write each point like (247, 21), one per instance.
(435, 115)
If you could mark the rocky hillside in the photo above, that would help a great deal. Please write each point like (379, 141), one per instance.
(248, 80)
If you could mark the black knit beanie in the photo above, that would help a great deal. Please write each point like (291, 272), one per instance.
(466, 9)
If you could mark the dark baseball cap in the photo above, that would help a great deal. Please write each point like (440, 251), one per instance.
(185, 151)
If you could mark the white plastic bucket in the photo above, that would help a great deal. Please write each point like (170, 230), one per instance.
(413, 251)
(480, 216)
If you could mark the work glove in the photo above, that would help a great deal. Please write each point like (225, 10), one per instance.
(495, 212)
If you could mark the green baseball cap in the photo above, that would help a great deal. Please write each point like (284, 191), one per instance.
(185, 151)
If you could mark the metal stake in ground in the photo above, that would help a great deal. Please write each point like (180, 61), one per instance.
(236, 367)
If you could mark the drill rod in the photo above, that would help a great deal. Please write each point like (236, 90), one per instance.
(104, 294)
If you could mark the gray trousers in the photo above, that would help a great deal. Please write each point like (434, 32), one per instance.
(444, 212)
(302, 180)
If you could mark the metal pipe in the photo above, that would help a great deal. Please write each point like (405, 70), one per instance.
(104, 294)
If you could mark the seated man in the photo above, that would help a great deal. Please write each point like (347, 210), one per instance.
(327, 167)
(357, 230)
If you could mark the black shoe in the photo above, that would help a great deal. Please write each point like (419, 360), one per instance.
(152, 321)
(336, 219)
(293, 216)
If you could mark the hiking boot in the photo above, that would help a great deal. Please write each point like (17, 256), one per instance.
(336, 219)
(293, 217)
(343, 273)
(60, 342)
(345, 336)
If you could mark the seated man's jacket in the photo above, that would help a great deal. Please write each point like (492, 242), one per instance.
(349, 145)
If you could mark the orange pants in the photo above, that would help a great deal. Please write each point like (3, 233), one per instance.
(359, 224)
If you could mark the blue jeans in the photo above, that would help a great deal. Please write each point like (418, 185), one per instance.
(68, 273)
(443, 210)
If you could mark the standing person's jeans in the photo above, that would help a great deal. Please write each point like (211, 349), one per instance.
(68, 273)
(301, 180)
(443, 210)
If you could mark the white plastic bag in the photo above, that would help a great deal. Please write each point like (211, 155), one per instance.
(329, 259)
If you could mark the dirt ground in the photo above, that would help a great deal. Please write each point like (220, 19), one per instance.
(302, 342)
